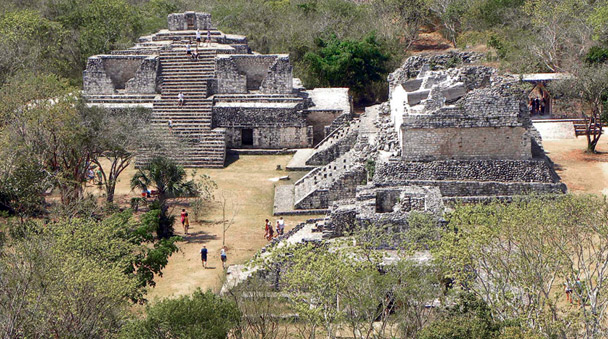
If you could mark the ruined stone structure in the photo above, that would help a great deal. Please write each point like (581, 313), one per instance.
(233, 98)
(451, 131)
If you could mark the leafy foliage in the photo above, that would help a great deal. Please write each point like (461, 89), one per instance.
(348, 63)
(200, 315)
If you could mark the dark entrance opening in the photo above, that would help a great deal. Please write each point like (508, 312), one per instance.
(247, 137)
(190, 21)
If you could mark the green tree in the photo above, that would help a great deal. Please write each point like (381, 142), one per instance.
(170, 181)
(31, 42)
(200, 315)
(42, 122)
(589, 86)
(117, 139)
(98, 26)
(349, 63)
(516, 257)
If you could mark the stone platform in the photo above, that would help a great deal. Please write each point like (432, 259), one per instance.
(298, 162)
(284, 200)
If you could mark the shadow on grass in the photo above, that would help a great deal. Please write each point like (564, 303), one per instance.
(199, 237)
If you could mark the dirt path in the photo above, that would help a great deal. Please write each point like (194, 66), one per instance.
(250, 180)
(581, 172)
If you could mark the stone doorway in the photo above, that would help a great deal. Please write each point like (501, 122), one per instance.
(190, 21)
(247, 137)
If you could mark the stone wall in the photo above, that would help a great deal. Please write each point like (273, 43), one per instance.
(270, 136)
(106, 74)
(334, 146)
(241, 73)
(466, 143)
(535, 170)
(189, 21)
(319, 120)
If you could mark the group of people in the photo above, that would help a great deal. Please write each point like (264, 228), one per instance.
(270, 231)
(537, 105)
(94, 175)
(194, 55)
(579, 287)
(223, 257)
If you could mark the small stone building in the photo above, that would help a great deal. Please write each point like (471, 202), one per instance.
(232, 98)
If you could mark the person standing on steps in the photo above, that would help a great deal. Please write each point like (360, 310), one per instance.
(170, 124)
(223, 257)
(208, 37)
(204, 256)
(198, 37)
(188, 48)
(180, 99)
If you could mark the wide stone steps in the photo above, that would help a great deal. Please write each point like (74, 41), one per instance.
(191, 134)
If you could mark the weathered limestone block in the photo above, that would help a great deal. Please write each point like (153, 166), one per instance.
(229, 79)
(240, 73)
(94, 78)
(414, 98)
(106, 74)
(454, 92)
(145, 80)
(279, 78)
(412, 85)
(189, 21)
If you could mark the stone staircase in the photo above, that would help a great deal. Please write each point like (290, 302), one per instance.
(192, 134)
(337, 180)
(334, 145)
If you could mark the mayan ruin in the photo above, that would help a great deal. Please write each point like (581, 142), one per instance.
(233, 98)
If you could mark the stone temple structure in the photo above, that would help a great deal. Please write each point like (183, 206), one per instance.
(451, 131)
(233, 98)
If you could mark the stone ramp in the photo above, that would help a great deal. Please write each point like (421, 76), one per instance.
(298, 162)
(303, 232)
(284, 203)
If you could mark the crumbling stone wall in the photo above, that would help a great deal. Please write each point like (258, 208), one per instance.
(251, 72)
(106, 74)
(189, 21)
(534, 170)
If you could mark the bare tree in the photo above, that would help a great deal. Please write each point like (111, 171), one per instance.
(229, 202)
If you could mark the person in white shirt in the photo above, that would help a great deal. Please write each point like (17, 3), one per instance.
(180, 98)
(198, 37)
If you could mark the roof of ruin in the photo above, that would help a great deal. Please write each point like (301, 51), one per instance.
(329, 99)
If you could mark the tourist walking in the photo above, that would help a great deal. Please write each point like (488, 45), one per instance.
(208, 37)
(188, 48)
(568, 290)
(223, 256)
(186, 223)
(198, 37)
(270, 231)
(170, 124)
(267, 226)
(281, 226)
(183, 217)
(180, 99)
(204, 256)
